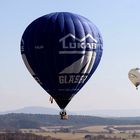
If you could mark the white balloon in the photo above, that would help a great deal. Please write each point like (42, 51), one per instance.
(134, 76)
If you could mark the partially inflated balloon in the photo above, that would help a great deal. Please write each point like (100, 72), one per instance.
(134, 76)
(61, 50)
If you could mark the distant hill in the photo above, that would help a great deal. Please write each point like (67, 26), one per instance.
(111, 113)
(20, 120)
(34, 110)
(101, 113)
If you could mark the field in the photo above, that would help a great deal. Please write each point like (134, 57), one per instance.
(126, 132)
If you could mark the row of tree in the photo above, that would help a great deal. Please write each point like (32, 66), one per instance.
(19, 121)
(24, 136)
(102, 137)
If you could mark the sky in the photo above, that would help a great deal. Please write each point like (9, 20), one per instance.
(108, 88)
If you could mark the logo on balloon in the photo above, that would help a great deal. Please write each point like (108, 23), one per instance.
(78, 70)
(74, 45)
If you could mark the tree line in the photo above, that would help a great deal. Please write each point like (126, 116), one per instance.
(27, 121)
(24, 136)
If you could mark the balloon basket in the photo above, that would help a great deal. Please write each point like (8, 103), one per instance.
(63, 115)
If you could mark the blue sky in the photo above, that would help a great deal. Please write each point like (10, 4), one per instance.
(109, 87)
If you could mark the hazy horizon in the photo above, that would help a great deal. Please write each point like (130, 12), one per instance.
(53, 111)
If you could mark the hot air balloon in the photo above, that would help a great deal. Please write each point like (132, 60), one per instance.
(61, 50)
(134, 76)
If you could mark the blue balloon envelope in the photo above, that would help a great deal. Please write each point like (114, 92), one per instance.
(61, 50)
